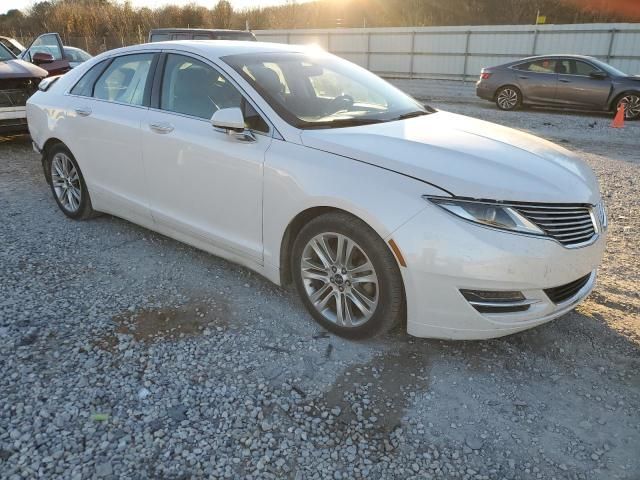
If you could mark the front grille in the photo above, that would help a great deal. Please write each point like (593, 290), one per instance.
(15, 92)
(568, 224)
(565, 292)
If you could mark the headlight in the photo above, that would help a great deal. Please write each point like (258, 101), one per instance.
(488, 214)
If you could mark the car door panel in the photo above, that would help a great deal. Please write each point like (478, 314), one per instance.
(577, 88)
(201, 180)
(205, 182)
(112, 160)
(50, 43)
(537, 81)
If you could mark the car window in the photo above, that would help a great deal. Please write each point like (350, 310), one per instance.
(159, 37)
(544, 65)
(5, 53)
(84, 87)
(47, 43)
(125, 79)
(180, 36)
(583, 68)
(194, 88)
(201, 36)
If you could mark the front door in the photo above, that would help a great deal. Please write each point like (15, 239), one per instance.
(202, 182)
(48, 43)
(577, 88)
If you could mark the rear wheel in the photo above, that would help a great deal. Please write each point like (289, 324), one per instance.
(631, 102)
(346, 276)
(67, 183)
(508, 98)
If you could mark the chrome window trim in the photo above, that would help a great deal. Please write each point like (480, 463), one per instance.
(113, 56)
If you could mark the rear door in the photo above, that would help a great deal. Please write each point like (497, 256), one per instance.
(50, 43)
(105, 111)
(577, 88)
(537, 80)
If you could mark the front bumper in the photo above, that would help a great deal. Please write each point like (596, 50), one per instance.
(444, 255)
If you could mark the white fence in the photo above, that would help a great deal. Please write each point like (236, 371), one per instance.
(460, 52)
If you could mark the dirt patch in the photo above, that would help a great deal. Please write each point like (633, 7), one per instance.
(152, 325)
(380, 390)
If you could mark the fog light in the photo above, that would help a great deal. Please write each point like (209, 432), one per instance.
(506, 301)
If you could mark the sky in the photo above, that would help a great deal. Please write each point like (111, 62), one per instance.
(6, 5)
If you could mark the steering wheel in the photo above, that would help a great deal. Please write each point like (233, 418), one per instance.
(341, 102)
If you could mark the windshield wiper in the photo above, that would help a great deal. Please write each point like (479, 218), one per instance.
(416, 113)
(343, 122)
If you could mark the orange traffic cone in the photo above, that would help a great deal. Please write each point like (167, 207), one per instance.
(618, 120)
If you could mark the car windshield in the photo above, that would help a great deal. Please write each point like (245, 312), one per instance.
(310, 90)
(5, 54)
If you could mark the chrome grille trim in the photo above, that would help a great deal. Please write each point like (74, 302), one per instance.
(571, 225)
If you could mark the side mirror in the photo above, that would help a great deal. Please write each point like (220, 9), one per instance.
(40, 58)
(598, 75)
(228, 119)
(231, 122)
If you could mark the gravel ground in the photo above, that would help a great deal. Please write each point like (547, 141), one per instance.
(128, 355)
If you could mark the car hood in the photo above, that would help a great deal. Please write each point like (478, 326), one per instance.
(20, 69)
(466, 157)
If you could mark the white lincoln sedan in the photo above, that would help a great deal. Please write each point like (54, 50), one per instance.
(315, 172)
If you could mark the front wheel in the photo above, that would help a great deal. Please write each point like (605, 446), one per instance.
(631, 102)
(508, 98)
(347, 276)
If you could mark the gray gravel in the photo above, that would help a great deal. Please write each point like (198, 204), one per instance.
(128, 355)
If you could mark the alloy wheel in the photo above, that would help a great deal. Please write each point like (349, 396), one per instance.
(66, 182)
(507, 99)
(339, 279)
(631, 106)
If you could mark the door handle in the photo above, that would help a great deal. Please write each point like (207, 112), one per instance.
(161, 127)
(83, 111)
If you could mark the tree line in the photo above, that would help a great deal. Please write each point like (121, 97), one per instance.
(102, 24)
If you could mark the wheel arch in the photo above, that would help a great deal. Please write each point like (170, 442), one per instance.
(48, 145)
(301, 219)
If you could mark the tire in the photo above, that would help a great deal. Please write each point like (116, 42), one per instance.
(508, 98)
(632, 101)
(368, 284)
(67, 183)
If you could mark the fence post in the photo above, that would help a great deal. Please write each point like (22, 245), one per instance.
(413, 53)
(368, 50)
(328, 41)
(611, 38)
(466, 57)
(535, 42)
(288, 38)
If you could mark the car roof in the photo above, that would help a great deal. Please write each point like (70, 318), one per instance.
(216, 48)
(198, 30)
(556, 55)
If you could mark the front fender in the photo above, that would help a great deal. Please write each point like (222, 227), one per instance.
(297, 178)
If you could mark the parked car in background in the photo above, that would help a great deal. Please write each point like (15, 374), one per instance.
(76, 56)
(311, 170)
(18, 81)
(13, 45)
(47, 52)
(165, 34)
(569, 81)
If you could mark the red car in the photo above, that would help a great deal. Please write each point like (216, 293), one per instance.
(20, 76)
